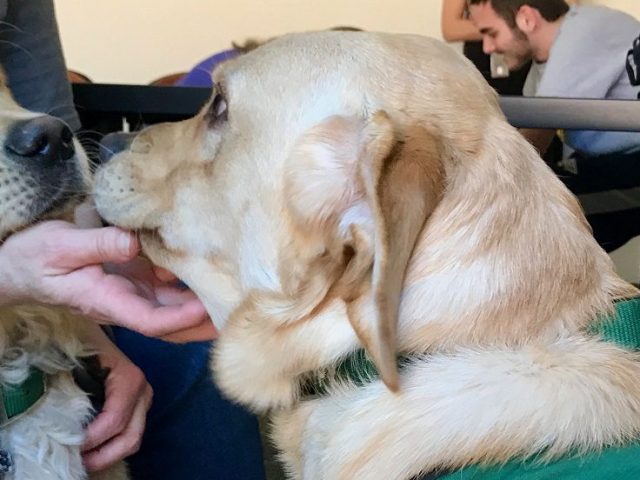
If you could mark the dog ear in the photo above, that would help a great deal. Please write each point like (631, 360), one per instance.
(373, 188)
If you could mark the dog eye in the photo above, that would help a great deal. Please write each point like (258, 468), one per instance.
(218, 109)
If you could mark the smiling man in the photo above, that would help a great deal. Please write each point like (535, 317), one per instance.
(577, 52)
(498, 24)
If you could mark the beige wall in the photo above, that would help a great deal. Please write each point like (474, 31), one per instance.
(135, 41)
(631, 6)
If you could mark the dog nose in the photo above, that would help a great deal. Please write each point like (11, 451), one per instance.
(114, 143)
(45, 138)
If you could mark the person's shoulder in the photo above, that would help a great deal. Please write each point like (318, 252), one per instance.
(589, 25)
(599, 15)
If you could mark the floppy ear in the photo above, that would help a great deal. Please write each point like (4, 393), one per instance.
(373, 188)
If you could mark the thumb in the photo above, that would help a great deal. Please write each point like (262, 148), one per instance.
(93, 246)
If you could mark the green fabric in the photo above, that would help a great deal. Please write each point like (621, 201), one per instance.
(356, 368)
(621, 463)
(19, 398)
(623, 327)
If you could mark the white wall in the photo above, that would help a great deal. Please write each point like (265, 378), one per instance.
(136, 41)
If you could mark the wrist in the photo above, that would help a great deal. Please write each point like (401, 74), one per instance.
(95, 336)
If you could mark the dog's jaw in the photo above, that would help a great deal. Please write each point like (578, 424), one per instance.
(209, 279)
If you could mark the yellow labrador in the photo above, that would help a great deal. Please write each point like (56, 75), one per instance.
(44, 173)
(348, 191)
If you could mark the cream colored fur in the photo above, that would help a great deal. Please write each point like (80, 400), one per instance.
(348, 190)
(45, 441)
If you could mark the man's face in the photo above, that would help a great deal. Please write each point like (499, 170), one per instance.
(498, 37)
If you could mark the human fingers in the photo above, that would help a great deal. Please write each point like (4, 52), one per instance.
(125, 386)
(124, 444)
(72, 248)
(164, 275)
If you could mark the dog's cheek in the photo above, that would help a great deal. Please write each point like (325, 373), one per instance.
(319, 180)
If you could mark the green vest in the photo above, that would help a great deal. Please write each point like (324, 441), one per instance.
(615, 463)
(620, 463)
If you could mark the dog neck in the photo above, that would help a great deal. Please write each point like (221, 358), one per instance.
(622, 327)
(481, 267)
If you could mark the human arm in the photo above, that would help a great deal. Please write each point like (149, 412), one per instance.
(117, 430)
(455, 26)
(59, 264)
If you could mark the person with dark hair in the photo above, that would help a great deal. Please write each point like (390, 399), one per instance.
(456, 27)
(550, 10)
(577, 52)
(570, 58)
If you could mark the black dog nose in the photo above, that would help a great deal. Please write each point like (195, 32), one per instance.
(44, 138)
(114, 143)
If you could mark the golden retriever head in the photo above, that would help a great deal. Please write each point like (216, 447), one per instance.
(308, 178)
(308, 175)
(43, 169)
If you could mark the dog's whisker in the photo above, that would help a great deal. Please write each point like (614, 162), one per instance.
(112, 152)
(54, 108)
(89, 131)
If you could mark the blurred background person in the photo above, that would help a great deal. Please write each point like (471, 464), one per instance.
(456, 27)
(577, 52)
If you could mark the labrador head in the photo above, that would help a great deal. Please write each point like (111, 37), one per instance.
(43, 169)
(307, 177)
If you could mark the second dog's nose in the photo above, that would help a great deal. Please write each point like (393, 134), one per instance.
(114, 143)
(45, 138)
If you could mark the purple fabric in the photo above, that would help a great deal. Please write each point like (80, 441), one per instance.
(200, 75)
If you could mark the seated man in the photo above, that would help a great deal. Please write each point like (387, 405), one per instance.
(577, 52)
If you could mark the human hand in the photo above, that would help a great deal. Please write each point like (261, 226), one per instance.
(155, 282)
(117, 430)
(57, 263)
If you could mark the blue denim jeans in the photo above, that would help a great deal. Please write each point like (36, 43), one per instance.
(192, 433)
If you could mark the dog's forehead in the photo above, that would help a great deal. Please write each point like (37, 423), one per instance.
(362, 69)
(292, 52)
(305, 61)
(283, 89)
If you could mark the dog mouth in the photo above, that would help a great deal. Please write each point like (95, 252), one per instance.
(43, 197)
(61, 202)
(43, 172)
(151, 242)
(55, 196)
